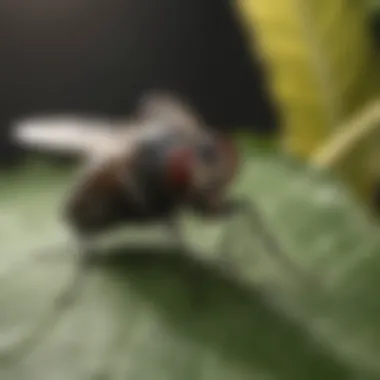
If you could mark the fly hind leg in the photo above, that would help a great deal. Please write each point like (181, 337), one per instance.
(61, 305)
(83, 258)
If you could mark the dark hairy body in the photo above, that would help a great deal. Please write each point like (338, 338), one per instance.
(159, 170)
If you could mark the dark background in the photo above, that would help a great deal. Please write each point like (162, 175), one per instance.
(101, 55)
(375, 23)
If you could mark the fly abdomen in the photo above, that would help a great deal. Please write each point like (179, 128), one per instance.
(86, 214)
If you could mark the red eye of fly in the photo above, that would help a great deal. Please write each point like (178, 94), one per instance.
(179, 167)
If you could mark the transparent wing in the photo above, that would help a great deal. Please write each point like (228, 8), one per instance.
(66, 134)
(168, 108)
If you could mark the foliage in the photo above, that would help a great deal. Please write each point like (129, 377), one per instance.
(154, 314)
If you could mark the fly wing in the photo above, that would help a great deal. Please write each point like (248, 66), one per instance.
(77, 136)
(165, 108)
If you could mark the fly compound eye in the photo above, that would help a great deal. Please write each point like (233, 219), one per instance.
(179, 167)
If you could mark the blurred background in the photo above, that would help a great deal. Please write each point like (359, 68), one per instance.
(300, 76)
(292, 70)
(100, 56)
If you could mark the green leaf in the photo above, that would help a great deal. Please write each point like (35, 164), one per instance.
(156, 314)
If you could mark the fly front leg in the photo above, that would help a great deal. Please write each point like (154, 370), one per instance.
(216, 207)
(176, 233)
(274, 249)
(219, 208)
(229, 209)
(257, 226)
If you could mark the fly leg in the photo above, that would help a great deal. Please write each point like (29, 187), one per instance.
(61, 304)
(189, 265)
(176, 233)
(258, 227)
(84, 257)
(227, 209)
(274, 249)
